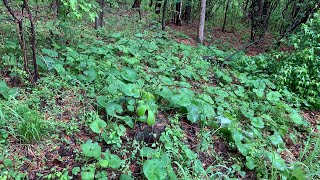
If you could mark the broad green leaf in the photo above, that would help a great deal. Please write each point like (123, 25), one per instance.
(128, 121)
(125, 177)
(129, 74)
(276, 139)
(257, 122)
(189, 153)
(131, 90)
(113, 108)
(50, 52)
(104, 163)
(259, 84)
(165, 92)
(49, 62)
(206, 98)
(258, 92)
(298, 173)
(223, 121)
(91, 75)
(59, 68)
(90, 149)
(296, 118)
(98, 125)
(273, 96)
(237, 137)
(193, 113)
(75, 170)
(114, 162)
(240, 91)
(249, 113)
(151, 119)
(242, 148)
(3, 87)
(8, 163)
(153, 169)
(181, 100)
(250, 163)
(277, 161)
(116, 35)
(87, 175)
(208, 111)
(102, 101)
(198, 167)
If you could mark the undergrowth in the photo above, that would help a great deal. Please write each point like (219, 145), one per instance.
(148, 107)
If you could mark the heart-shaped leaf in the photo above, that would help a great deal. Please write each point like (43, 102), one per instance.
(50, 52)
(296, 118)
(90, 149)
(102, 101)
(113, 108)
(153, 169)
(257, 122)
(114, 161)
(193, 113)
(98, 125)
(223, 121)
(250, 163)
(273, 96)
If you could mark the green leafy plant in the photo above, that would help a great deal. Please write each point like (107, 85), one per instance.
(31, 127)
(157, 169)
(5, 91)
(90, 149)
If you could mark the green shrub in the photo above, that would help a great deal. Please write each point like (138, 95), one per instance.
(299, 71)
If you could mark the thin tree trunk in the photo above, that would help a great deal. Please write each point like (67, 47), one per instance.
(20, 33)
(164, 9)
(253, 21)
(136, 4)
(56, 6)
(187, 13)
(23, 47)
(178, 13)
(21, 38)
(158, 7)
(99, 20)
(33, 43)
(202, 21)
(225, 16)
(103, 4)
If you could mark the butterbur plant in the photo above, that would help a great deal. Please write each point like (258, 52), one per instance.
(103, 160)
(159, 168)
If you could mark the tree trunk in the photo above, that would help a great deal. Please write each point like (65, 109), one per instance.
(32, 42)
(18, 19)
(178, 13)
(187, 13)
(202, 21)
(99, 20)
(158, 6)
(164, 9)
(55, 7)
(136, 4)
(260, 13)
(225, 16)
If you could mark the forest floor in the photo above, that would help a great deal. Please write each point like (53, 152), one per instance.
(91, 77)
(226, 40)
